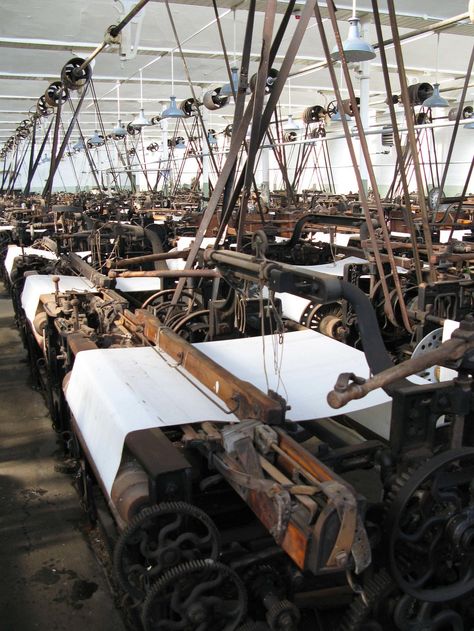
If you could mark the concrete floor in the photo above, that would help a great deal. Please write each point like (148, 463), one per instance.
(49, 578)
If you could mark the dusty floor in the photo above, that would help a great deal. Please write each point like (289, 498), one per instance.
(49, 578)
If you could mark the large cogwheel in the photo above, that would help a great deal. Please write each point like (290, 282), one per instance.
(197, 596)
(161, 537)
(430, 527)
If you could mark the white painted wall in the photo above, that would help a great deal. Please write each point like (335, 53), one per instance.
(74, 172)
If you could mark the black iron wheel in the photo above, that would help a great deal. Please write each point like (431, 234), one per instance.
(56, 93)
(73, 77)
(159, 538)
(430, 524)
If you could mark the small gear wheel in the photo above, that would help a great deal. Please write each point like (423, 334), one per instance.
(283, 616)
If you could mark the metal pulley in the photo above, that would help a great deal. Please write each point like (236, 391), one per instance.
(155, 119)
(290, 136)
(189, 107)
(55, 93)
(393, 98)
(97, 140)
(178, 141)
(73, 76)
(271, 78)
(314, 114)
(213, 100)
(42, 108)
(154, 146)
(133, 131)
(422, 118)
(228, 130)
(347, 106)
(419, 92)
(24, 128)
(319, 131)
(467, 112)
(331, 108)
(22, 132)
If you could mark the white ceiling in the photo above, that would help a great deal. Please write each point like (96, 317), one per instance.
(38, 37)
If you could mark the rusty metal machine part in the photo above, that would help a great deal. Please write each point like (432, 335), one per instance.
(158, 538)
(196, 595)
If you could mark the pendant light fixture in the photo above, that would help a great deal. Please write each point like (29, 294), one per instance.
(141, 120)
(436, 100)
(172, 111)
(290, 124)
(355, 48)
(79, 145)
(96, 140)
(119, 132)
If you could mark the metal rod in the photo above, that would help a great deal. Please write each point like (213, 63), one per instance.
(167, 273)
(398, 145)
(362, 194)
(411, 135)
(115, 30)
(452, 350)
(454, 134)
(147, 258)
(258, 105)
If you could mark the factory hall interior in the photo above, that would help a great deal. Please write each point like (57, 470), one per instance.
(237, 315)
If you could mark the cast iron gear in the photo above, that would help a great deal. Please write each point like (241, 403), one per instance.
(200, 595)
(283, 616)
(430, 527)
(161, 537)
(377, 588)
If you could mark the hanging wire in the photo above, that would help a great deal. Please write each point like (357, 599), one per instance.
(235, 36)
(141, 89)
(118, 101)
(172, 73)
(437, 55)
